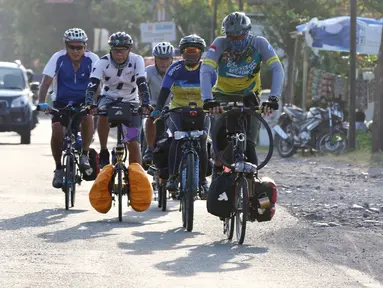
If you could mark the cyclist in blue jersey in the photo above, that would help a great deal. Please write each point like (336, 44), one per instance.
(238, 57)
(182, 79)
(68, 71)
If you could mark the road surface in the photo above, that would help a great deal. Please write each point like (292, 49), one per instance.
(42, 245)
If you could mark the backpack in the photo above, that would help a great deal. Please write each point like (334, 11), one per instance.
(94, 163)
(99, 195)
(220, 201)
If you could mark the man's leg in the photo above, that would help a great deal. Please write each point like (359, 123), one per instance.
(251, 140)
(150, 135)
(103, 132)
(56, 147)
(221, 145)
(87, 134)
(174, 153)
(131, 135)
(204, 160)
(134, 151)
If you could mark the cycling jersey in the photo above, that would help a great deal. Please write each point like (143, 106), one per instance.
(120, 83)
(69, 85)
(154, 80)
(184, 83)
(240, 75)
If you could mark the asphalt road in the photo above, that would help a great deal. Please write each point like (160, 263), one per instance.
(42, 245)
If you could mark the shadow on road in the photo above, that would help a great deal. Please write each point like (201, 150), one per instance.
(87, 230)
(150, 242)
(219, 256)
(214, 257)
(103, 228)
(41, 218)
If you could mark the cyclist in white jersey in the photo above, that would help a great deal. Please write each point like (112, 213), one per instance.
(163, 57)
(123, 76)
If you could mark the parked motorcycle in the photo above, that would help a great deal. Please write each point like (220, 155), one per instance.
(318, 129)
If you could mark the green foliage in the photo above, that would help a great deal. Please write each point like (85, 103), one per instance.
(364, 141)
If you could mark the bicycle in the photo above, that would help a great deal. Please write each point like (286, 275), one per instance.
(72, 153)
(246, 204)
(188, 171)
(120, 113)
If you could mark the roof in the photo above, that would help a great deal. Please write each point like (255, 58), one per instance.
(9, 64)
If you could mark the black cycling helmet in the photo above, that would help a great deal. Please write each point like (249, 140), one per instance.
(192, 40)
(235, 24)
(120, 39)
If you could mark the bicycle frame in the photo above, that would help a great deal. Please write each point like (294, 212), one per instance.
(191, 145)
(70, 139)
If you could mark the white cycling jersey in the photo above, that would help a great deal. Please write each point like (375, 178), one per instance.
(120, 83)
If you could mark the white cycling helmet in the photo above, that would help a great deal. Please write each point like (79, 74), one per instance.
(163, 50)
(75, 34)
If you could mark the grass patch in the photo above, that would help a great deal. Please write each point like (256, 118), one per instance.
(362, 154)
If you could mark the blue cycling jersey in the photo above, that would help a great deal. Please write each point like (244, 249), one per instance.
(68, 84)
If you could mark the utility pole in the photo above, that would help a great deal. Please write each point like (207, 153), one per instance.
(352, 103)
(240, 5)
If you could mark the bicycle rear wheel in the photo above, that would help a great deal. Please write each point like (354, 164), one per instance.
(241, 209)
(190, 191)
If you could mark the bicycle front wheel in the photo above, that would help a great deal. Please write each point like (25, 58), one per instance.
(241, 209)
(73, 191)
(119, 191)
(162, 194)
(190, 191)
(68, 180)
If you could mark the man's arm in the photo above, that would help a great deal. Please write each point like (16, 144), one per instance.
(167, 84)
(209, 66)
(94, 81)
(141, 81)
(272, 61)
(46, 82)
(49, 73)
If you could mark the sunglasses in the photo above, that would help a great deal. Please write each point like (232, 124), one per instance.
(120, 50)
(191, 50)
(239, 37)
(77, 48)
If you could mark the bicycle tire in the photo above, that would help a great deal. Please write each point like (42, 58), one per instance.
(162, 194)
(220, 122)
(159, 197)
(67, 181)
(241, 231)
(119, 190)
(73, 191)
(228, 228)
(191, 190)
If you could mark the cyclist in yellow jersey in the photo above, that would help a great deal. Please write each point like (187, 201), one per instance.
(238, 57)
(183, 80)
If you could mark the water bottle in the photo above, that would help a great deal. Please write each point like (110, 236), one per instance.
(78, 144)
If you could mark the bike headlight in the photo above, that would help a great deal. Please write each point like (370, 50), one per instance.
(19, 102)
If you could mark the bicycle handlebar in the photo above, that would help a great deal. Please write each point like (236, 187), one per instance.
(226, 107)
(77, 110)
